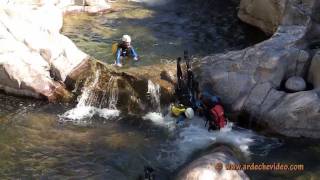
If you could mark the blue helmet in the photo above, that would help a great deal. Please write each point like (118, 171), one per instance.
(211, 99)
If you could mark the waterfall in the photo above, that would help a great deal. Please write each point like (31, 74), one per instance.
(92, 103)
(154, 93)
(154, 96)
(112, 93)
(87, 97)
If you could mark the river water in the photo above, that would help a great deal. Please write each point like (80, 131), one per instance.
(162, 31)
(84, 140)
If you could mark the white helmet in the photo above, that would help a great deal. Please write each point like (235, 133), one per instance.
(189, 113)
(126, 38)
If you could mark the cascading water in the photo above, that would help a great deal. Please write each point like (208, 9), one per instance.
(154, 96)
(110, 96)
(154, 92)
(92, 103)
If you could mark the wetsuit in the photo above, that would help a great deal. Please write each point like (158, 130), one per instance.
(179, 112)
(212, 110)
(125, 51)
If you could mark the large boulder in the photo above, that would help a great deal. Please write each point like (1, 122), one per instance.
(265, 14)
(212, 166)
(36, 57)
(250, 80)
(314, 73)
(295, 114)
(269, 14)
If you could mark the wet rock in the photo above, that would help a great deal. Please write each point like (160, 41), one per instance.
(314, 73)
(295, 84)
(132, 85)
(212, 166)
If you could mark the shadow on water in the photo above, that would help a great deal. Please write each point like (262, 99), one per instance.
(162, 32)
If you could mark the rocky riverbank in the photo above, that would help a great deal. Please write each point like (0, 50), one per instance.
(252, 80)
(36, 60)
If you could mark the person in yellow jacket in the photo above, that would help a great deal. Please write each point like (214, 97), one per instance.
(181, 112)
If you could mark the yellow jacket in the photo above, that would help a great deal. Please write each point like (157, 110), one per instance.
(176, 110)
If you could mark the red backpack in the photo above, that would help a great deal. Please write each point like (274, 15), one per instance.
(218, 113)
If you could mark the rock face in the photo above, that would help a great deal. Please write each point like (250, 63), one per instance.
(314, 73)
(265, 14)
(131, 86)
(67, 6)
(295, 84)
(35, 58)
(208, 167)
(89, 6)
(249, 80)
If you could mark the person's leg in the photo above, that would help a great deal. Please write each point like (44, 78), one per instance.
(180, 119)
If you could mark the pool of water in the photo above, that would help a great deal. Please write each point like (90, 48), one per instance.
(35, 143)
(162, 31)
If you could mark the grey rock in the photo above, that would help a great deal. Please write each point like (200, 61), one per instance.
(296, 115)
(314, 71)
(257, 97)
(265, 14)
(250, 79)
(295, 84)
(36, 60)
(206, 167)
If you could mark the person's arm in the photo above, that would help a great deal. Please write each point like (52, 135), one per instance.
(118, 54)
(134, 54)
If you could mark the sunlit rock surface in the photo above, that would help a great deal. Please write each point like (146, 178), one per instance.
(35, 58)
(132, 85)
(207, 167)
(250, 80)
(265, 14)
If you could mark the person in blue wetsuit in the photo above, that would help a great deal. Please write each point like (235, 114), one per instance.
(124, 49)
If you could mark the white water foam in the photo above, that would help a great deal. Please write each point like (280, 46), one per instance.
(194, 136)
(85, 112)
(160, 120)
(85, 108)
